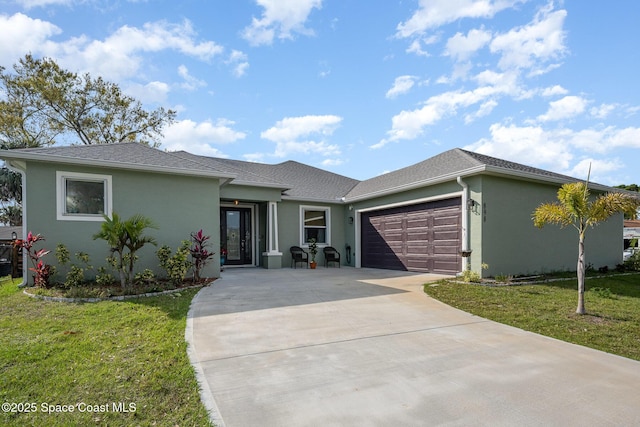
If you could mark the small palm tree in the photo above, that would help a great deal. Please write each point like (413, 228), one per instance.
(122, 236)
(575, 208)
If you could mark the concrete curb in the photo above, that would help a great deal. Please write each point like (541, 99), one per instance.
(206, 396)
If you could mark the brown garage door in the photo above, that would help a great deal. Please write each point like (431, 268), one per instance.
(424, 237)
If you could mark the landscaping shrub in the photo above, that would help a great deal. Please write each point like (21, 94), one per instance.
(175, 265)
(199, 252)
(125, 238)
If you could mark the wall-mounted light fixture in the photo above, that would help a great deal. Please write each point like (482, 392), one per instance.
(350, 220)
(235, 202)
(14, 235)
(471, 203)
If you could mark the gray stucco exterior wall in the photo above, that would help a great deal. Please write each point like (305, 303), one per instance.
(290, 228)
(509, 242)
(177, 204)
(501, 231)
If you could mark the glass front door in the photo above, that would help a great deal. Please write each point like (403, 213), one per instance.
(236, 235)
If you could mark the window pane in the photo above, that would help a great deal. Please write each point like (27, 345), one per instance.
(314, 219)
(84, 197)
(315, 233)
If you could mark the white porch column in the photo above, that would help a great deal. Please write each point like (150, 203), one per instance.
(272, 258)
(272, 228)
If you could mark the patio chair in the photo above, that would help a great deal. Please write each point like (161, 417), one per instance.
(331, 255)
(298, 255)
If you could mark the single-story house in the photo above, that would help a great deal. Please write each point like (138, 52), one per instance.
(451, 211)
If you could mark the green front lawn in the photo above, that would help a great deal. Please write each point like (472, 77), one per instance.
(112, 363)
(612, 322)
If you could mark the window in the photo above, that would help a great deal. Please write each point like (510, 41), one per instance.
(315, 224)
(83, 197)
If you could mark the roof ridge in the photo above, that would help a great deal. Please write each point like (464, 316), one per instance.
(471, 155)
(229, 164)
(317, 168)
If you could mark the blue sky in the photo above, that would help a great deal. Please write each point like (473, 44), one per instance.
(359, 87)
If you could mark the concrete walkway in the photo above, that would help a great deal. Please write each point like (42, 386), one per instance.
(366, 347)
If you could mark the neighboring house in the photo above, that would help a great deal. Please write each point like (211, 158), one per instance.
(631, 232)
(420, 218)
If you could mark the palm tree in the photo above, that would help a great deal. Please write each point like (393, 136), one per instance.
(575, 208)
(121, 235)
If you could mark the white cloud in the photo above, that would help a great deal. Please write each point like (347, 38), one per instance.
(152, 92)
(485, 109)
(598, 167)
(416, 48)
(280, 19)
(434, 13)
(198, 138)
(401, 85)
(461, 47)
(554, 90)
(190, 83)
(239, 62)
(528, 46)
(602, 111)
(555, 149)
(305, 134)
(332, 162)
(565, 108)
(28, 4)
(21, 34)
(530, 145)
(411, 124)
(118, 56)
(254, 157)
(115, 58)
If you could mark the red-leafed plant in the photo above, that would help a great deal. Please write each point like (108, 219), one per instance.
(42, 270)
(199, 252)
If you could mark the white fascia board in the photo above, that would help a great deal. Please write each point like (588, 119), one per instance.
(493, 170)
(257, 184)
(338, 201)
(111, 164)
(530, 176)
(416, 184)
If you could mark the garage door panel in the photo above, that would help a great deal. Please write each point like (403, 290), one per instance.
(419, 249)
(424, 237)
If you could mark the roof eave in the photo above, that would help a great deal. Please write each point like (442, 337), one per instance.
(111, 164)
(257, 184)
(494, 170)
(339, 201)
(530, 176)
(416, 184)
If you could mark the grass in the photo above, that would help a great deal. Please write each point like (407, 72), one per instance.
(612, 322)
(98, 358)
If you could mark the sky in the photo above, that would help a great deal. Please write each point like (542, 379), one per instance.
(360, 87)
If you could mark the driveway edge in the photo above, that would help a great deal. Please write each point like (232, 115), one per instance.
(205, 392)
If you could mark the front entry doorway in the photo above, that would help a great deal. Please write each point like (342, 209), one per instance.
(236, 235)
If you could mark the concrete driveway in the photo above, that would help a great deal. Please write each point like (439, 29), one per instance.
(366, 347)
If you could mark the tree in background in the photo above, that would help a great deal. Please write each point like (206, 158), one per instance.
(42, 104)
(575, 207)
(10, 197)
(634, 188)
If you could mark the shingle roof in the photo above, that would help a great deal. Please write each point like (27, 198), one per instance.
(298, 180)
(308, 182)
(245, 173)
(126, 156)
(447, 166)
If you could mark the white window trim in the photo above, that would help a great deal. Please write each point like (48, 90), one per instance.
(61, 177)
(327, 211)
